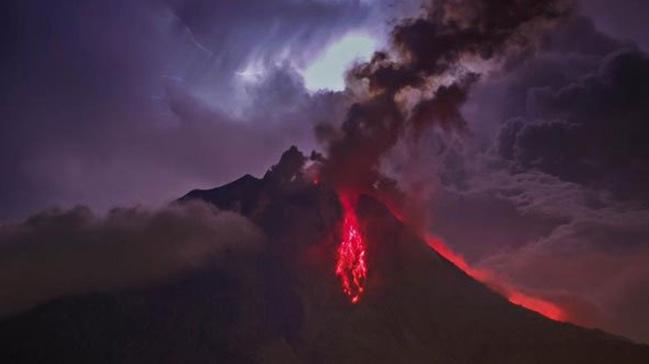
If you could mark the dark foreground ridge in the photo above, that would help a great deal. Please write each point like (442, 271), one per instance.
(284, 305)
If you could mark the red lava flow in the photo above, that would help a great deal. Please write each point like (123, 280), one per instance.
(487, 277)
(351, 265)
(541, 306)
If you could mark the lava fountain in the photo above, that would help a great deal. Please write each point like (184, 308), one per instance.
(351, 264)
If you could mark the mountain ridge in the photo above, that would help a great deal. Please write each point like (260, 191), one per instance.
(285, 304)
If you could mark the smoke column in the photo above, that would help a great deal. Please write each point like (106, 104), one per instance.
(424, 79)
(421, 82)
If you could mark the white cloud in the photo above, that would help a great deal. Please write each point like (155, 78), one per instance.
(328, 70)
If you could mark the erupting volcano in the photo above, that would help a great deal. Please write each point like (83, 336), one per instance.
(351, 265)
(421, 84)
(283, 304)
(341, 255)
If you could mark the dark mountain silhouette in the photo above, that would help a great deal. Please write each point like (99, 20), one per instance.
(285, 305)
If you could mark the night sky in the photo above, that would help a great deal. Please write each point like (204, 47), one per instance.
(134, 103)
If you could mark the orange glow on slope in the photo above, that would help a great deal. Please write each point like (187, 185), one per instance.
(458, 260)
(545, 308)
(513, 295)
(351, 266)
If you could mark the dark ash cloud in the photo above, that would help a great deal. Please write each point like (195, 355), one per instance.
(590, 131)
(58, 253)
(623, 19)
(424, 79)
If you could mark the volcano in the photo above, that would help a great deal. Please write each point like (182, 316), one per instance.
(386, 297)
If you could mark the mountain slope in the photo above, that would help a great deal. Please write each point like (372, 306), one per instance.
(285, 304)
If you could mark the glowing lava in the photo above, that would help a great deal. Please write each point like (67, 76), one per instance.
(351, 265)
(538, 305)
(489, 278)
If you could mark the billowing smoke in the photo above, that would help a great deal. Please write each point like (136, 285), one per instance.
(425, 77)
(65, 252)
(421, 83)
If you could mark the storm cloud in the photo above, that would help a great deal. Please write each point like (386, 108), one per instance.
(592, 131)
(139, 101)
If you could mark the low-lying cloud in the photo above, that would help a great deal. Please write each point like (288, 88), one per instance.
(57, 253)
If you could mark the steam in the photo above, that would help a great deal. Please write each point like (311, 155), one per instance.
(425, 78)
(57, 253)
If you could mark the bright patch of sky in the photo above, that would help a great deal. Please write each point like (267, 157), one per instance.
(328, 70)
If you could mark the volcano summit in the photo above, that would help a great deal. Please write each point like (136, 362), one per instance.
(284, 302)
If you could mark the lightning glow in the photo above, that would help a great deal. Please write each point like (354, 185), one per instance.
(328, 71)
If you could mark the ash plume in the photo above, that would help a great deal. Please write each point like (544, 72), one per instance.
(425, 78)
